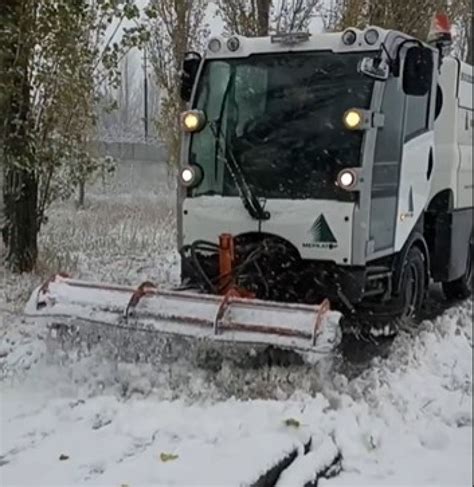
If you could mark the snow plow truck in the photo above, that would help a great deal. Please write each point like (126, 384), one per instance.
(325, 181)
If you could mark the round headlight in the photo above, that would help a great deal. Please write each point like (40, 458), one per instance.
(347, 179)
(371, 36)
(193, 121)
(190, 176)
(214, 45)
(349, 37)
(353, 119)
(233, 44)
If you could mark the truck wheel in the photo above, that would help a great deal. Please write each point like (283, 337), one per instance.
(461, 288)
(413, 283)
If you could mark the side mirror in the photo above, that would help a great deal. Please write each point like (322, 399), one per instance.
(418, 71)
(374, 68)
(190, 67)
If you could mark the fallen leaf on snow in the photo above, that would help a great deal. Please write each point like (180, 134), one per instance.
(167, 457)
(293, 423)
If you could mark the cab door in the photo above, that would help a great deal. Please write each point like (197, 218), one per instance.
(417, 165)
(386, 171)
(403, 167)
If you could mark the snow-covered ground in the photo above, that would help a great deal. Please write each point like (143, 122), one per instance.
(406, 420)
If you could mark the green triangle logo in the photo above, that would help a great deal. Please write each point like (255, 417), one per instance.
(321, 232)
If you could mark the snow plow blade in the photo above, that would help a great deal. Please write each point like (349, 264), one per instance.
(306, 329)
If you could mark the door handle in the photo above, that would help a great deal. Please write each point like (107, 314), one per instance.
(430, 166)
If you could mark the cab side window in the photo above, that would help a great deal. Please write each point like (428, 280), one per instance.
(417, 115)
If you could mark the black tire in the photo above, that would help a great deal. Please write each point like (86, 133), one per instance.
(382, 320)
(461, 288)
(414, 284)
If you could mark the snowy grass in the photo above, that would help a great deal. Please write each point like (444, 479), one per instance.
(119, 240)
(123, 239)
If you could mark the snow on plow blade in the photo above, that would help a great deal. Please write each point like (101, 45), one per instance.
(313, 330)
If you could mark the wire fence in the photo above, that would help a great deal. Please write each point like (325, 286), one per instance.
(140, 169)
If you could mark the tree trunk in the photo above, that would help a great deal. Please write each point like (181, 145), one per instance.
(470, 53)
(21, 186)
(263, 14)
(81, 198)
(5, 62)
(3, 220)
(21, 204)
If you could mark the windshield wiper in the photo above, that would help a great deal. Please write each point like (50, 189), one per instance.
(249, 198)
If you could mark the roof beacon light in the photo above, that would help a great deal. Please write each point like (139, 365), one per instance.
(440, 34)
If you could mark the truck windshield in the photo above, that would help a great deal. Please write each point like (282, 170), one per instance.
(281, 117)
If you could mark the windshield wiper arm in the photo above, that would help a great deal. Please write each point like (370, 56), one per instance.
(249, 199)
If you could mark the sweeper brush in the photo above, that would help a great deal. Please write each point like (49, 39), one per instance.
(153, 325)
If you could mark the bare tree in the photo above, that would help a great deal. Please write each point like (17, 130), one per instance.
(125, 93)
(468, 49)
(463, 19)
(120, 113)
(253, 18)
(3, 219)
(249, 18)
(176, 27)
(294, 15)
